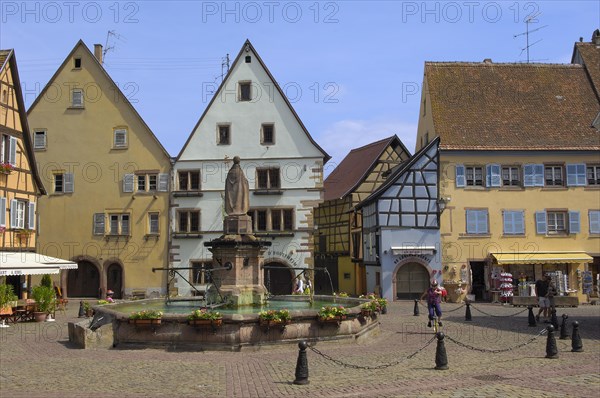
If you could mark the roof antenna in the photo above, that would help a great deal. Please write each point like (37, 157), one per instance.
(530, 19)
(224, 67)
(108, 48)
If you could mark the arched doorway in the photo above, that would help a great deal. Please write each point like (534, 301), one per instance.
(83, 281)
(278, 280)
(114, 279)
(412, 280)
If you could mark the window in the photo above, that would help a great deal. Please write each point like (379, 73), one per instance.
(141, 182)
(63, 183)
(224, 137)
(553, 176)
(594, 217)
(18, 209)
(77, 63)
(4, 98)
(9, 150)
(39, 139)
(268, 178)
(493, 177)
(199, 274)
(557, 222)
(189, 180)
(77, 98)
(146, 182)
(576, 174)
(276, 220)
(119, 224)
(245, 91)
(511, 176)
(593, 174)
(514, 222)
(188, 221)
(120, 138)
(248, 59)
(153, 223)
(474, 176)
(477, 222)
(267, 134)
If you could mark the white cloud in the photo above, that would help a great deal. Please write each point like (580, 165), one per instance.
(344, 135)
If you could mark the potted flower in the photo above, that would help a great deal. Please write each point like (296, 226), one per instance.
(367, 309)
(6, 168)
(87, 308)
(382, 305)
(330, 314)
(202, 317)
(45, 299)
(274, 318)
(146, 317)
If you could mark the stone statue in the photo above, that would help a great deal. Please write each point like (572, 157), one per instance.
(237, 200)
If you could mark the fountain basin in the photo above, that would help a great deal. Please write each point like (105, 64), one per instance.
(239, 330)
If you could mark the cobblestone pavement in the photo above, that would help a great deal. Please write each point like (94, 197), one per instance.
(37, 361)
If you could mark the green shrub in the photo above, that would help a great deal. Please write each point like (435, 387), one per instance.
(7, 294)
(46, 281)
(44, 297)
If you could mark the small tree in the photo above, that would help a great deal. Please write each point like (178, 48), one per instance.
(44, 297)
(46, 281)
(7, 294)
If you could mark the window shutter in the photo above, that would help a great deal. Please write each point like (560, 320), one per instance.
(163, 182)
(471, 222)
(99, 224)
(128, 182)
(69, 183)
(460, 175)
(519, 222)
(3, 212)
(576, 175)
(540, 222)
(594, 216)
(482, 222)
(12, 157)
(538, 174)
(507, 219)
(574, 225)
(528, 175)
(13, 213)
(492, 175)
(31, 216)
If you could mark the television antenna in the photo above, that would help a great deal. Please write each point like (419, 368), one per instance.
(529, 20)
(108, 48)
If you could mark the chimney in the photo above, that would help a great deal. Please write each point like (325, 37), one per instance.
(98, 52)
(596, 37)
(487, 61)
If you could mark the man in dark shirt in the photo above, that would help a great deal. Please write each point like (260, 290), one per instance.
(541, 291)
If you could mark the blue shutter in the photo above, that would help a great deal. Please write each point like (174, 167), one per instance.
(128, 182)
(507, 221)
(13, 213)
(576, 175)
(471, 222)
(482, 227)
(540, 222)
(2, 212)
(163, 182)
(519, 222)
(528, 175)
(574, 225)
(12, 155)
(492, 175)
(594, 216)
(460, 175)
(538, 175)
(31, 216)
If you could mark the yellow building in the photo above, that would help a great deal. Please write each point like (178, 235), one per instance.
(107, 178)
(520, 173)
(339, 225)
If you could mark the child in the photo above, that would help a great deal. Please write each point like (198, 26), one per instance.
(109, 297)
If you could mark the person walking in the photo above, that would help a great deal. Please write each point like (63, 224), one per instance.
(434, 299)
(541, 291)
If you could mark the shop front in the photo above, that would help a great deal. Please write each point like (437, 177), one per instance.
(512, 276)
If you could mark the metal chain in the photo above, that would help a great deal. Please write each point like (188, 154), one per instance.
(498, 316)
(470, 347)
(382, 366)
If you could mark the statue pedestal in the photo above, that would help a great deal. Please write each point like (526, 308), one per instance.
(238, 225)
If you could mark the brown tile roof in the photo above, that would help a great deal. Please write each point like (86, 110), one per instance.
(590, 53)
(478, 106)
(354, 168)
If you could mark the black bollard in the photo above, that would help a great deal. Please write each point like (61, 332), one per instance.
(441, 359)
(551, 349)
(81, 310)
(576, 343)
(554, 319)
(468, 311)
(416, 308)
(563, 328)
(302, 365)
(531, 317)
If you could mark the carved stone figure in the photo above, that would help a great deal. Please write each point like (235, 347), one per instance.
(237, 200)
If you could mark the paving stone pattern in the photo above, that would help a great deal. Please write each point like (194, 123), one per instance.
(36, 360)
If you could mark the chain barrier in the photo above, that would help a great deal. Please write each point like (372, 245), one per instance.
(382, 366)
(496, 351)
(498, 316)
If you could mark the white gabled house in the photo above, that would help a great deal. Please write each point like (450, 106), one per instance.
(250, 117)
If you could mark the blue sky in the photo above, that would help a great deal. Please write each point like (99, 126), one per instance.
(352, 69)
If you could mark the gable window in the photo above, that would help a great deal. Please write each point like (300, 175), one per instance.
(477, 221)
(189, 180)
(63, 183)
(199, 273)
(245, 91)
(119, 224)
(511, 176)
(514, 222)
(267, 134)
(557, 222)
(39, 139)
(77, 98)
(77, 63)
(268, 178)
(594, 218)
(120, 138)
(474, 176)
(153, 223)
(223, 134)
(553, 175)
(593, 174)
(188, 221)
(248, 59)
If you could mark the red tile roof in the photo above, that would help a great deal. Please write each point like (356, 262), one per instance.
(487, 106)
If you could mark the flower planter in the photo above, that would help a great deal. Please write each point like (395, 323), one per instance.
(145, 322)
(268, 324)
(331, 321)
(366, 313)
(200, 324)
(39, 316)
